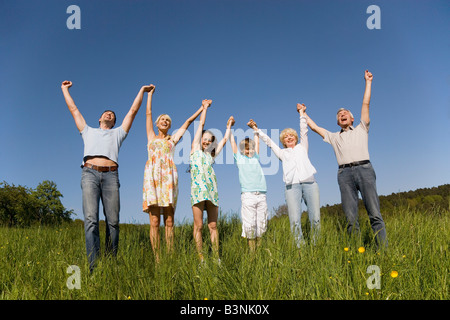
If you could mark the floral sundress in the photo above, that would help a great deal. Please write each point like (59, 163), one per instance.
(203, 178)
(160, 175)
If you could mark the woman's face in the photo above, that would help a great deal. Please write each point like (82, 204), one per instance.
(289, 140)
(164, 123)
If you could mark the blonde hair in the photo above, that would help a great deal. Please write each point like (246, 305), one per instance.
(159, 117)
(246, 142)
(170, 120)
(285, 132)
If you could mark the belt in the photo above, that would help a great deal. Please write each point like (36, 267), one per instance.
(101, 168)
(354, 164)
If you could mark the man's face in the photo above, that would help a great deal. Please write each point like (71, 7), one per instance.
(108, 119)
(344, 119)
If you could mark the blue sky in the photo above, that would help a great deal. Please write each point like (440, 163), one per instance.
(254, 59)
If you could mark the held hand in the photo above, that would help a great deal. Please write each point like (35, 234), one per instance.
(206, 103)
(66, 84)
(252, 124)
(230, 121)
(150, 88)
(301, 108)
(368, 75)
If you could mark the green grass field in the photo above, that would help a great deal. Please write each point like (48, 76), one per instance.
(34, 262)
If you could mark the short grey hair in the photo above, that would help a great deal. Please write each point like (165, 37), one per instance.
(343, 109)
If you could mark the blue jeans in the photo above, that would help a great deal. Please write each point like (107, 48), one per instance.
(105, 186)
(361, 178)
(309, 192)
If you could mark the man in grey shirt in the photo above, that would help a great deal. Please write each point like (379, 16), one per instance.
(99, 178)
(355, 172)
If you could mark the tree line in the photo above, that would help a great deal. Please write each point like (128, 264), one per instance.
(423, 199)
(23, 206)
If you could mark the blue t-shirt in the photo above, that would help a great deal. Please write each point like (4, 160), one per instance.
(251, 176)
(99, 142)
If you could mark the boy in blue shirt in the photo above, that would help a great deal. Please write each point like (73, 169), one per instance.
(253, 189)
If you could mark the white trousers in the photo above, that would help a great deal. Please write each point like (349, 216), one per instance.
(253, 214)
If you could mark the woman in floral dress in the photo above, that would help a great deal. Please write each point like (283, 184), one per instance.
(160, 189)
(204, 193)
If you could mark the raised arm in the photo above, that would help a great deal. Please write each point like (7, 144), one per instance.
(314, 127)
(275, 148)
(149, 118)
(366, 99)
(234, 146)
(196, 142)
(177, 136)
(222, 142)
(129, 118)
(76, 114)
(301, 108)
(256, 139)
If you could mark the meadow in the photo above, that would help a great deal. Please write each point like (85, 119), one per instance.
(34, 263)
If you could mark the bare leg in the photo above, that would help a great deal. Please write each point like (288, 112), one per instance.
(155, 221)
(168, 223)
(252, 244)
(213, 214)
(197, 211)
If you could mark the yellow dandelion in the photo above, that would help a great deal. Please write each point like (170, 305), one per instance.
(129, 297)
(345, 249)
(394, 274)
(367, 293)
(404, 256)
(205, 299)
(361, 249)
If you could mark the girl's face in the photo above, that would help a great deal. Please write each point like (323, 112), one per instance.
(207, 139)
(289, 140)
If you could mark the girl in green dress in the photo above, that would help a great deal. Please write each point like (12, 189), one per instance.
(204, 194)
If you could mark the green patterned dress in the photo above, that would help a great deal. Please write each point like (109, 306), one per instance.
(203, 178)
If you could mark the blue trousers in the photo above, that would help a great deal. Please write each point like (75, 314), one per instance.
(309, 192)
(102, 186)
(361, 178)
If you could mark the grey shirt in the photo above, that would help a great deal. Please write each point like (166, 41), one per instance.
(106, 143)
(351, 145)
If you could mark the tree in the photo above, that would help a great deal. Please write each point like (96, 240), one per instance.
(50, 209)
(16, 207)
(22, 206)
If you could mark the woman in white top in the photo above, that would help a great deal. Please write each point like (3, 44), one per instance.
(298, 175)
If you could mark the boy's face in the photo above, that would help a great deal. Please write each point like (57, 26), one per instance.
(248, 151)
